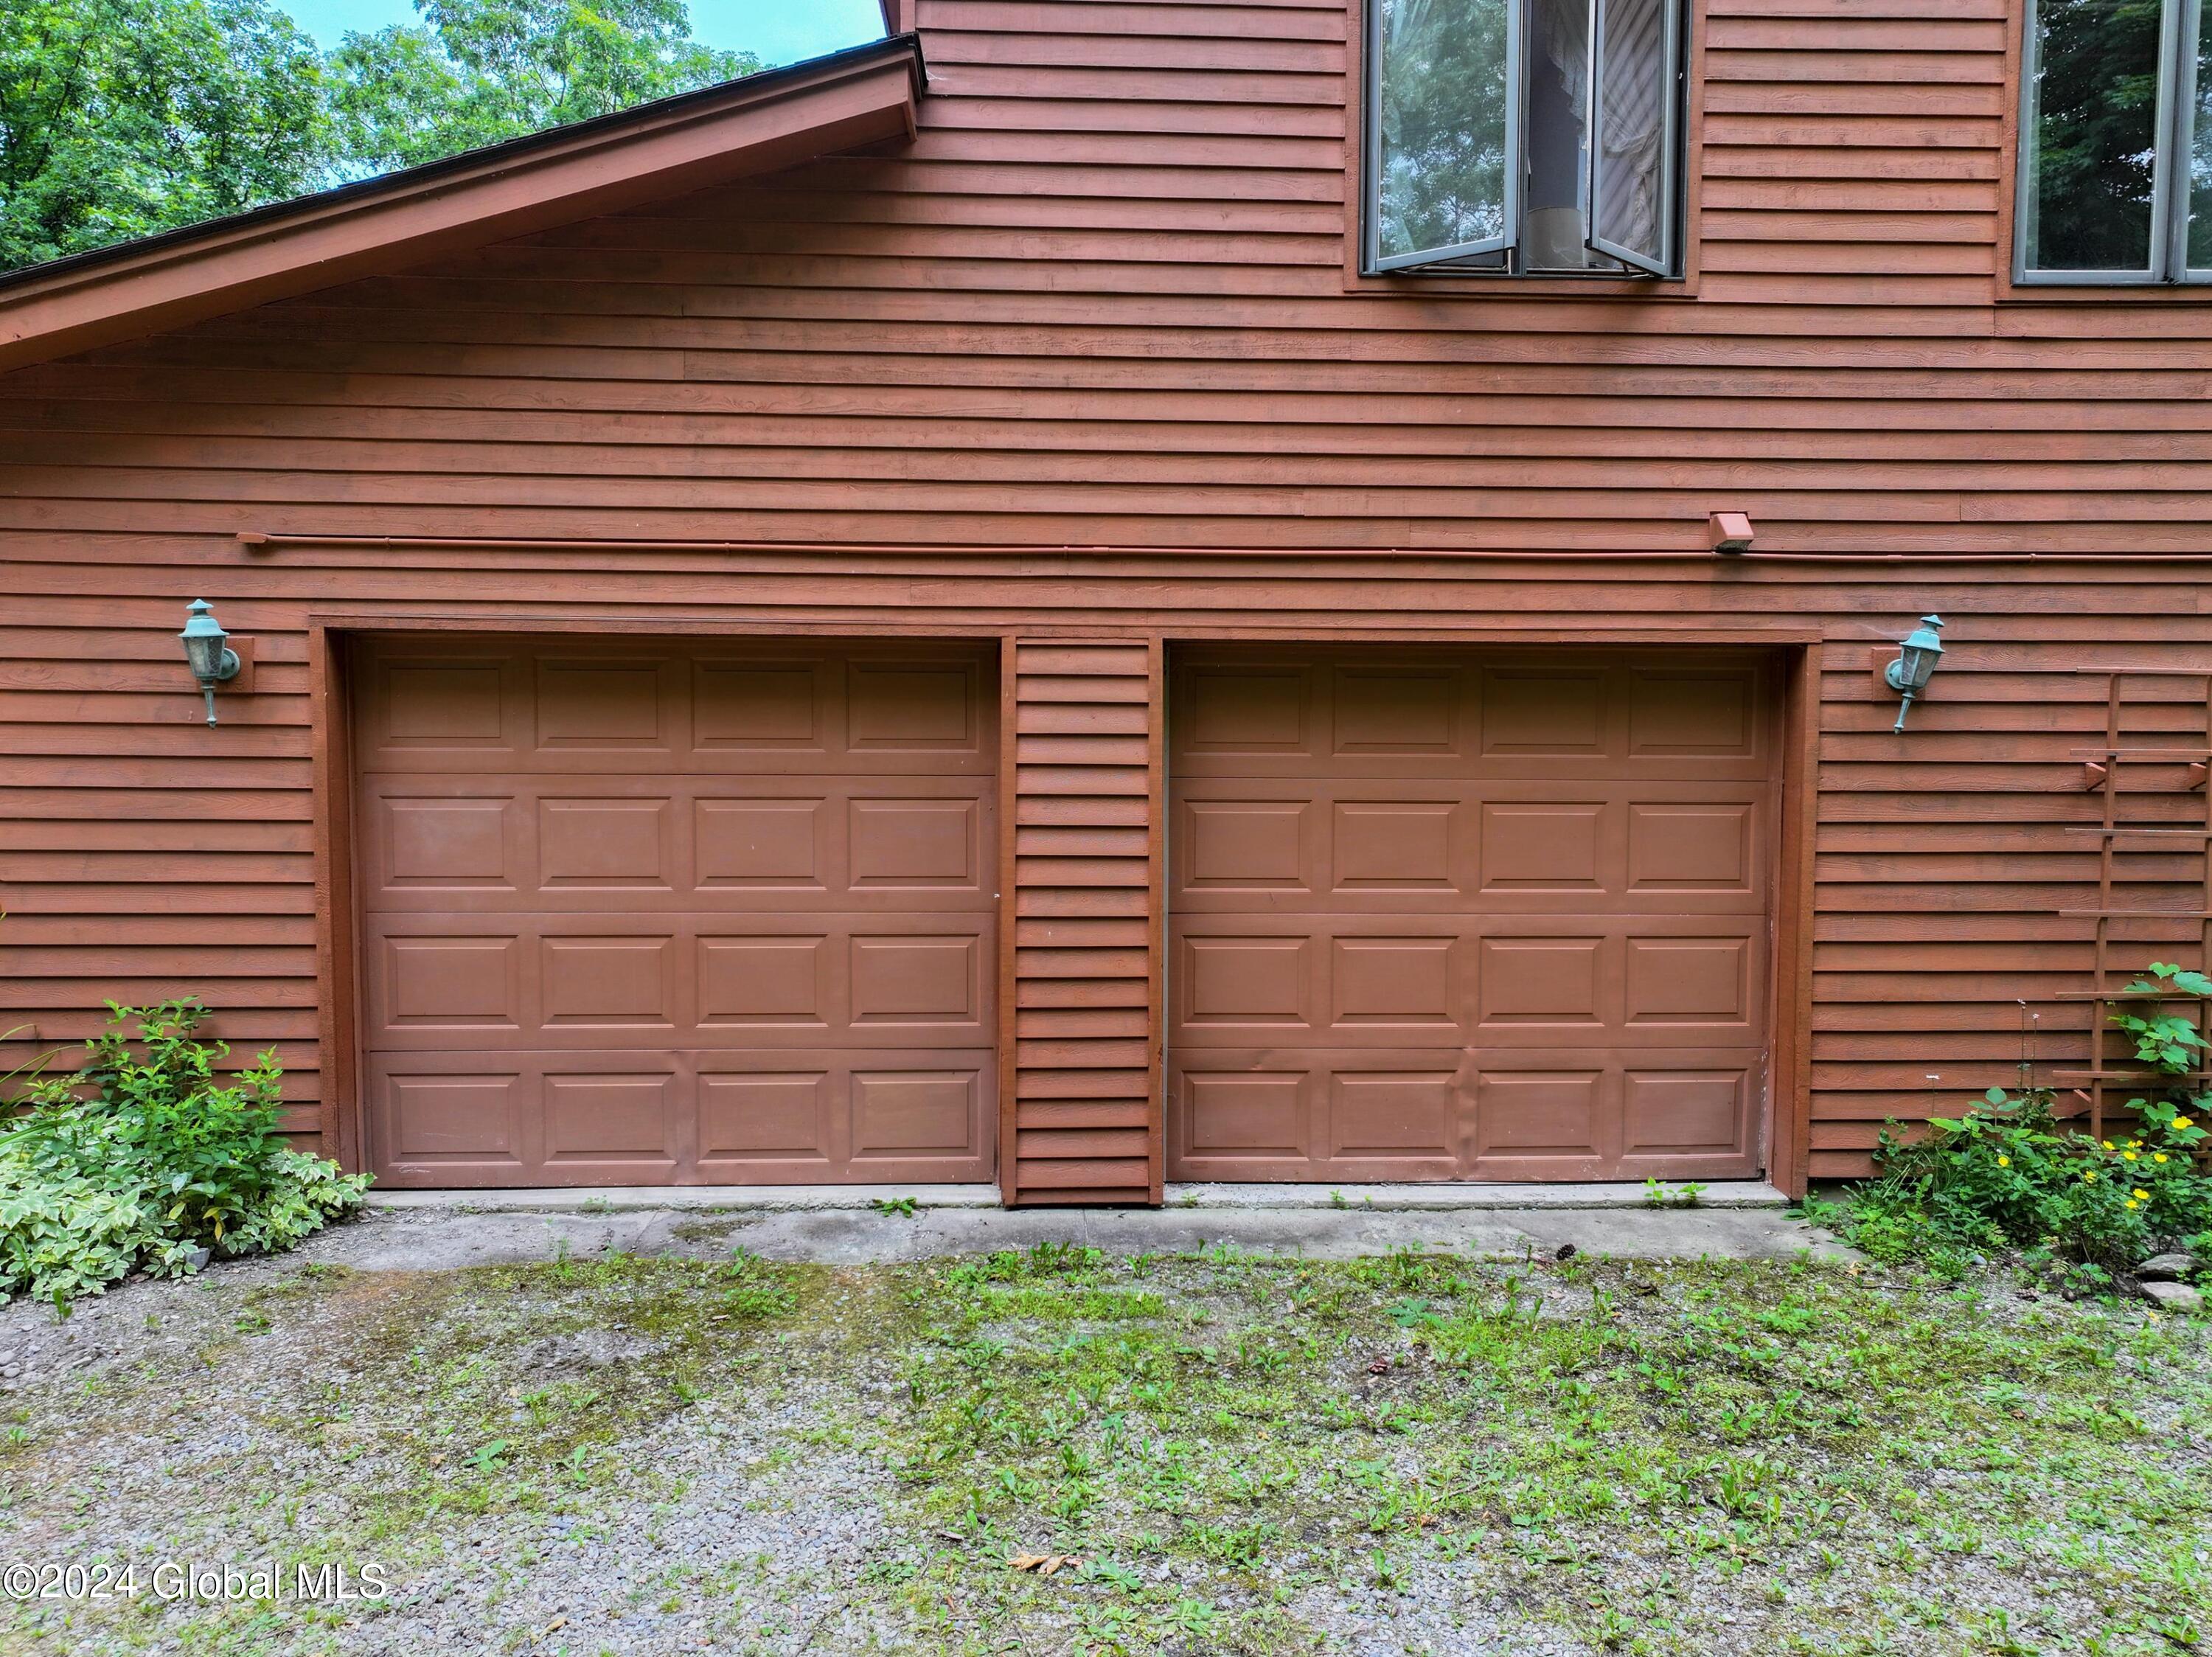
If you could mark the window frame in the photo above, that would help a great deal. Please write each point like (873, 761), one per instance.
(2179, 24)
(1365, 263)
(1370, 157)
(1670, 130)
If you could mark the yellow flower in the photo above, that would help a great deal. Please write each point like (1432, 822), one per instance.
(2108, 1144)
(2134, 1144)
(2128, 1156)
(2131, 1202)
(2142, 1196)
(2005, 1161)
(2157, 1156)
(2089, 1178)
(2181, 1122)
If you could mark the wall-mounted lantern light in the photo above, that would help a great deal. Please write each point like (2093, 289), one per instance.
(208, 652)
(1915, 666)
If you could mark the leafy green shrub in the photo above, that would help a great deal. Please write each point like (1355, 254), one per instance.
(2008, 1175)
(144, 1157)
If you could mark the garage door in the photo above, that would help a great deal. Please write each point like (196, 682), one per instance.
(705, 914)
(1440, 915)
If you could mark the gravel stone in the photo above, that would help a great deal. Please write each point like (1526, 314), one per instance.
(2167, 1268)
(2173, 1297)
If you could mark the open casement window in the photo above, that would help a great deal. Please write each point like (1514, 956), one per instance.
(1486, 150)
(2115, 142)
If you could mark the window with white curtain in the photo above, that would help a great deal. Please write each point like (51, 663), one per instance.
(2116, 143)
(1531, 136)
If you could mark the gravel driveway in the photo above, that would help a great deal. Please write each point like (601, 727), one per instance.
(1058, 1449)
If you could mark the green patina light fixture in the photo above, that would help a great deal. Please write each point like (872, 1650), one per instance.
(1915, 666)
(208, 652)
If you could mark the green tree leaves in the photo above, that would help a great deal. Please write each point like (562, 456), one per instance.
(122, 117)
(475, 72)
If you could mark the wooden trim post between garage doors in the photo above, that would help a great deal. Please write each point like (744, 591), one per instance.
(1789, 1087)
(1157, 718)
(336, 936)
(1083, 1031)
(1009, 982)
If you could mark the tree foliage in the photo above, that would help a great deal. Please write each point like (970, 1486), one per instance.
(474, 73)
(119, 118)
(122, 117)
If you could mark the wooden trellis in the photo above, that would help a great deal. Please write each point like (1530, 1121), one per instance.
(2156, 805)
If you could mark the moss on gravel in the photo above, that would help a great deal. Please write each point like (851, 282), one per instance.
(1222, 1453)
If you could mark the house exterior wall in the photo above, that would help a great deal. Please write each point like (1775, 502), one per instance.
(1083, 369)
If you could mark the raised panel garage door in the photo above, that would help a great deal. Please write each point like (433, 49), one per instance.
(684, 914)
(1441, 915)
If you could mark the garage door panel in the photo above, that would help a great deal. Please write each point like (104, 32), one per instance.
(899, 704)
(1633, 1114)
(1430, 712)
(1703, 714)
(591, 711)
(820, 1113)
(704, 709)
(649, 913)
(786, 1118)
(1545, 1114)
(1355, 845)
(620, 1126)
(454, 708)
(1469, 915)
(464, 1123)
(1234, 1116)
(427, 986)
(1397, 987)
(532, 843)
(1232, 980)
(424, 845)
(681, 1117)
(639, 980)
(589, 844)
(1494, 981)
(1263, 1114)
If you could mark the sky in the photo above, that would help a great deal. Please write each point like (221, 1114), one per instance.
(780, 31)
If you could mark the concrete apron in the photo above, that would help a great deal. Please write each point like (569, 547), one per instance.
(1621, 1194)
(432, 1231)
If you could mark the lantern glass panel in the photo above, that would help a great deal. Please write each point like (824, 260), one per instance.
(203, 651)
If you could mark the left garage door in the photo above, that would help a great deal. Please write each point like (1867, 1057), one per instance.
(682, 914)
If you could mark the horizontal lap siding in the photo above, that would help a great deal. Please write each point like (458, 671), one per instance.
(1086, 1084)
(1100, 303)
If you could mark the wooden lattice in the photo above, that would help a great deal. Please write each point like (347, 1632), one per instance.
(2156, 811)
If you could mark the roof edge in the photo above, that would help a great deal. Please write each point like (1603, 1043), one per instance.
(776, 118)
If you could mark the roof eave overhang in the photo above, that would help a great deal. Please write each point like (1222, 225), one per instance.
(864, 96)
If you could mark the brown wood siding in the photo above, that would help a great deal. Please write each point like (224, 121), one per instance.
(1085, 1089)
(1100, 303)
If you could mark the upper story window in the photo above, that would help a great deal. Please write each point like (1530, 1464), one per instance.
(1486, 151)
(2116, 143)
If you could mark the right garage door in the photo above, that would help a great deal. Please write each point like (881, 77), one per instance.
(1450, 916)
